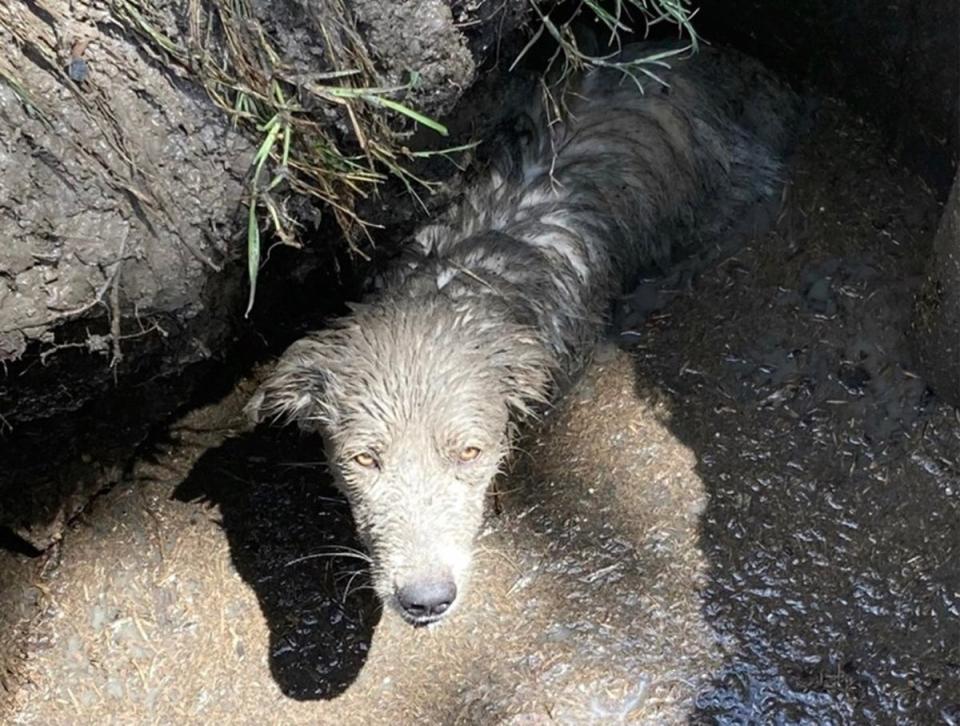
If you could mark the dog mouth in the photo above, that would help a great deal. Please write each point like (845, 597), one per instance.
(423, 621)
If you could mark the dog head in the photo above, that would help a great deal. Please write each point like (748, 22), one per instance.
(416, 400)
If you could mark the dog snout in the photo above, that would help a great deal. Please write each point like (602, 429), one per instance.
(426, 600)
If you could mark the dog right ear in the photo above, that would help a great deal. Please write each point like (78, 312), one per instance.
(296, 390)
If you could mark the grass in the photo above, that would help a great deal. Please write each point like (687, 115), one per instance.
(298, 153)
(619, 18)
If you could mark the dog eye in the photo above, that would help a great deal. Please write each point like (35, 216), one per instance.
(367, 461)
(468, 454)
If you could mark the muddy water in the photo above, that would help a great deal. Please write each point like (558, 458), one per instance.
(748, 513)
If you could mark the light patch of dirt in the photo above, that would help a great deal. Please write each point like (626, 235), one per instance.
(21, 604)
(584, 607)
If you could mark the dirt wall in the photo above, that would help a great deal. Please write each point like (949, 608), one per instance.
(123, 206)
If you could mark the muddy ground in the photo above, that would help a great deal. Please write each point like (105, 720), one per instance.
(748, 512)
(123, 201)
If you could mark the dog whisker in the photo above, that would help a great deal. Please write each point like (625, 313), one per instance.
(321, 555)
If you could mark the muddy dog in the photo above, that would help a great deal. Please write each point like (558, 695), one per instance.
(419, 390)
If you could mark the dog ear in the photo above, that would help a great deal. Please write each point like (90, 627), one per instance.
(527, 366)
(296, 390)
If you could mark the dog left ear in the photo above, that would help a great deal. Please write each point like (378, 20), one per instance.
(297, 389)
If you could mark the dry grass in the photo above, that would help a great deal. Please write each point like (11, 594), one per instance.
(620, 18)
(576, 52)
(301, 155)
(299, 151)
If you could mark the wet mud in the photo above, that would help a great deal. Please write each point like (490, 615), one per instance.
(831, 473)
(746, 512)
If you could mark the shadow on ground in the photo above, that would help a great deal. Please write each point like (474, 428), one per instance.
(833, 525)
(285, 523)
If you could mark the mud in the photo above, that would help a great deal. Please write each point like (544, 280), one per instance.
(118, 196)
(937, 311)
(122, 199)
(118, 202)
(749, 513)
(831, 473)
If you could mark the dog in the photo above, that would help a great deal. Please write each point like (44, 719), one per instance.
(419, 391)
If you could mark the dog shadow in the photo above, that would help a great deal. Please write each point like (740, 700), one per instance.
(292, 540)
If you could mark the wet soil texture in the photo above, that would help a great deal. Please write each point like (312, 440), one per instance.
(746, 513)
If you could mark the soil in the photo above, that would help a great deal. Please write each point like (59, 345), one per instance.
(746, 512)
(119, 198)
(122, 201)
(832, 474)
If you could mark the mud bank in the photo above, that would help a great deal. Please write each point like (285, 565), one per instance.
(748, 513)
(123, 200)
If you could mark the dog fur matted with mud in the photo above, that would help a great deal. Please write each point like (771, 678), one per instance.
(419, 390)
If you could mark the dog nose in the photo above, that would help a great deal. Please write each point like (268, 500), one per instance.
(427, 598)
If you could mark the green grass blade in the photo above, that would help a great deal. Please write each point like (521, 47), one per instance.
(253, 253)
(406, 111)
